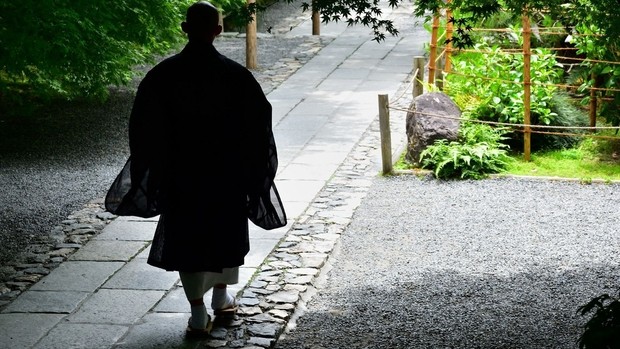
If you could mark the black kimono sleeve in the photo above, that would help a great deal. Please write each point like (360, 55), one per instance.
(136, 191)
(265, 208)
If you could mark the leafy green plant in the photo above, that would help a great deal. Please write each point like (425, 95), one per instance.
(77, 49)
(602, 331)
(354, 12)
(479, 153)
(494, 77)
(599, 71)
(238, 13)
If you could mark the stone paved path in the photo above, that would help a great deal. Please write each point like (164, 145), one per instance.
(325, 122)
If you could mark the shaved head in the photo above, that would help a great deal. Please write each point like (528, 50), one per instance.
(202, 21)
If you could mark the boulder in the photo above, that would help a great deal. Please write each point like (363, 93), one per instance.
(426, 123)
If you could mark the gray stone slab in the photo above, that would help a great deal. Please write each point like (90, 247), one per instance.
(137, 275)
(61, 302)
(77, 276)
(128, 230)
(307, 171)
(292, 138)
(304, 122)
(281, 107)
(100, 250)
(342, 84)
(136, 219)
(260, 233)
(287, 154)
(68, 335)
(294, 210)
(298, 190)
(159, 331)
(246, 273)
(259, 250)
(173, 302)
(145, 253)
(314, 106)
(119, 307)
(323, 157)
(24, 330)
(351, 73)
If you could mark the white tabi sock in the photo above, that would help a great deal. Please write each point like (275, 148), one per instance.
(221, 298)
(199, 317)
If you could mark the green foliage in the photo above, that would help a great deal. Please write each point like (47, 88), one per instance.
(495, 78)
(479, 153)
(490, 84)
(77, 49)
(469, 13)
(355, 12)
(567, 114)
(594, 21)
(238, 13)
(602, 331)
(591, 42)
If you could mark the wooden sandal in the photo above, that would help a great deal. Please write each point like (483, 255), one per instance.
(199, 332)
(227, 311)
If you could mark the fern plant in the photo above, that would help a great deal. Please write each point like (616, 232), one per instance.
(602, 331)
(478, 153)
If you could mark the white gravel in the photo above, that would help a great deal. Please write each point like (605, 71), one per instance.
(501, 263)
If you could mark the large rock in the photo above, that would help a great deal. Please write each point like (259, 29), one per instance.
(426, 123)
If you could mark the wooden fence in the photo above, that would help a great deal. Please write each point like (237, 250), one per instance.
(440, 64)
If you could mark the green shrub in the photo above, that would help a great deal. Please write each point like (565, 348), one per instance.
(77, 49)
(489, 84)
(478, 153)
(601, 72)
(495, 76)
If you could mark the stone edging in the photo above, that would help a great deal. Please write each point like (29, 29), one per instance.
(288, 276)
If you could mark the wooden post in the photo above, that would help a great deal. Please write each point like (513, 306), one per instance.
(418, 69)
(386, 138)
(433, 48)
(527, 85)
(449, 30)
(439, 73)
(593, 103)
(250, 42)
(316, 21)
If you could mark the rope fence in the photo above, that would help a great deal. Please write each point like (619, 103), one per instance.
(441, 54)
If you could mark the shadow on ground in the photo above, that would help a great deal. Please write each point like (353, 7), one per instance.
(534, 309)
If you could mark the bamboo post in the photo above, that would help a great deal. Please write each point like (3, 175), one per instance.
(250, 41)
(439, 73)
(527, 84)
(433, 50)
(593, 103)
(449, 30)
(386, 138)
(418, 69)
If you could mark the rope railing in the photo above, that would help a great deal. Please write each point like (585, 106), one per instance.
(520, 52)
(526, 30)
(539, 31)
(507, 124)
(537, 83)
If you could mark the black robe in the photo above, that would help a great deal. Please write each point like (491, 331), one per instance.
(203, 156)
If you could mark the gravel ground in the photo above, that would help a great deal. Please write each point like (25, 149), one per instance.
(55, 162)
(466, 264)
